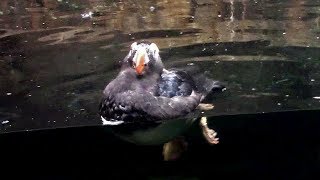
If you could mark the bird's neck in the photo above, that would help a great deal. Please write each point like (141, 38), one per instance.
(130, 81)
(147, 83)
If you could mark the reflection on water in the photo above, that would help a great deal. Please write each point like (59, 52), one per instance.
(57, 56)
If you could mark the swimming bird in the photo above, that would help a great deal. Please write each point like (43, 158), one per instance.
(149, 104)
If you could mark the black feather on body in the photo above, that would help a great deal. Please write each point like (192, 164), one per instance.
(136, 103)
(175, 83)
(147, 101)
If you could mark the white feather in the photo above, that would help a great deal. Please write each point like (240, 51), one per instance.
(111, 123)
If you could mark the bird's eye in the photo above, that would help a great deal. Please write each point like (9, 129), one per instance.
(145, 64)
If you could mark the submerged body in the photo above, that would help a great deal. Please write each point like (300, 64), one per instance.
(147, 104)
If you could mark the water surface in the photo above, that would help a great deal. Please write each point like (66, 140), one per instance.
(57, 56)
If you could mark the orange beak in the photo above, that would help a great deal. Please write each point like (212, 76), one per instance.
(140, 63)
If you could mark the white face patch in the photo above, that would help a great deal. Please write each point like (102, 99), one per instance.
(141, 51)
(110, 123)
(134, 45)
(154, 48)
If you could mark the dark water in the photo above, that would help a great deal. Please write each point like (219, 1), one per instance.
(57, 56)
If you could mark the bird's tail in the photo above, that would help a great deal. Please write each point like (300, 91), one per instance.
(207, 85)
(217, 86)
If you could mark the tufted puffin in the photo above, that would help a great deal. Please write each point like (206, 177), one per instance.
(150, 105)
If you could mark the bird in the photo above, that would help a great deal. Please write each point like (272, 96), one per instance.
(148, 104)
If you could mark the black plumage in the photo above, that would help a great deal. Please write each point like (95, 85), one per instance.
(138, 99)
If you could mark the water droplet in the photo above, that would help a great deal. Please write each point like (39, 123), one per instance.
(284, 33)
(287, 95)
(152, 8)
(29, 95)
(38, 86)
(253, 89)
(312, 80)
(181, 32)
(190, 64)
(203, 49)
(318, 37)
(9, 93)
(87, 15)
(192, 17)
(219, 15)
(226, 49)
(316, 97)
(82, 109)
(279, 104)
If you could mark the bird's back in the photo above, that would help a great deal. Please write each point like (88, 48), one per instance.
(181, 82)
(175, 83)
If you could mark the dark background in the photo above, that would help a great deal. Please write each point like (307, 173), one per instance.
(261, 146)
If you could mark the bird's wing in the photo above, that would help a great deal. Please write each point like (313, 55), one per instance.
(158, 107)
(175, 83)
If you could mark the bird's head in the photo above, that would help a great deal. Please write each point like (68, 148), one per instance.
(144, 58)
